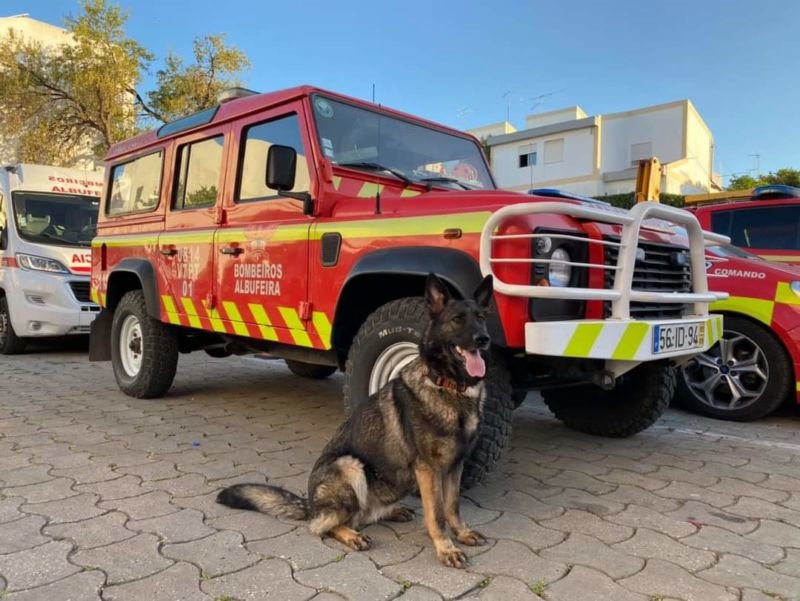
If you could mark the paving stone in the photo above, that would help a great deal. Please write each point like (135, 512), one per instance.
(781, 482)
(387, 548)
(179, 582)
(270, 578)
(585, 583)
(514, 501)
(793, 502)
(300, 548)
(575, 520)
(732, 570)
(121, 488)
(670, 462)
(587, 551)
(649, 544)
(751, 595)
(22, 534)
(632, 478)
(84, 586)
(576, 464)
(573, 479)
(514, 526)
(472, 514)
(413, 593)
(664, 579)
(216, 554)
(502, 587)
(715, 470)
(509, 558)
(189, 485)
(739, 488)
(24, 476)
(626, 494)
(72, 509)
(571, 498)
(58, 488)
(425, 570)
(126, 560)
(756, 508)
(354, 577)
(182, 526)
(790, 565)
(718, 540)
(682, 490)
(206, 503)
(38, 566)
(87, 474)
(770, 532)
(144, 506)
(636, 517)
(697, 513)
(253, 526)
(157, 470)
(95, 532)
(13, 460)
(522, 483)
(627, 464)
(9, 508)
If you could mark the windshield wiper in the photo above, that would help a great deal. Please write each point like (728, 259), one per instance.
(443, 179)
(58, 238)
(378, 167)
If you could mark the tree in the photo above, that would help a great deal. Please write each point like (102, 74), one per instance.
(785, 176)
(61, 100)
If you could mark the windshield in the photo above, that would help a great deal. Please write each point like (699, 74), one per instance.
(364, 139)
(56, 219)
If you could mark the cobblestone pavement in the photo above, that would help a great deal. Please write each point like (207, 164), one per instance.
(107, 497)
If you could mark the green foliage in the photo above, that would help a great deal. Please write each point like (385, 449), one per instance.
(786, 176)
(82, 93)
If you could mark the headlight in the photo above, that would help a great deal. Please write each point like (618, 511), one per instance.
(795, 286)
(559, 274)
(35, 263)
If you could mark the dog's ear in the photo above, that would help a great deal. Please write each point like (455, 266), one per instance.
(436, 294)
(483, 293)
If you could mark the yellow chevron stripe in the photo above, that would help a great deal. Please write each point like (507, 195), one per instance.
(630, 341)
(323, 327)
(757, 308)
(797, 386)
(296, 328)
(263, 322)
(169, 307)
(583, 339)
(94, 296)
(337, 181)
(785, 295)
(369, 189)
(469, 223)
(408, 193)
(214, 318)
(102, 299)
(191, 313)
(235, 318)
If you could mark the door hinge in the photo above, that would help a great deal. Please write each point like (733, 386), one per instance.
(211, 301)
(304, 310)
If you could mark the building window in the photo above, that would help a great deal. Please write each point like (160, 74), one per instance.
(257, 140)
(641, 152)
(554, 151)
(199, 166)
(527, 155)
(135, 185)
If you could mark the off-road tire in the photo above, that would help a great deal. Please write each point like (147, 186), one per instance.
(633, 405)
(10, 344)
(779, 384)
(159, 350)
(309, 370)
(405, 320)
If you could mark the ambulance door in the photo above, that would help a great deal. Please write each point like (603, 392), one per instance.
(262, 245)
(186, 246)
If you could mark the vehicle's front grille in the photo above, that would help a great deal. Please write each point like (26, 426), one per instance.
(660, 271)
(81, 291)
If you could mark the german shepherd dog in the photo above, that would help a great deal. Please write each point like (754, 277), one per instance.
(413, 434)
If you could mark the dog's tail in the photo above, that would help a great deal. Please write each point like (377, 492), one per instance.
(272, 500)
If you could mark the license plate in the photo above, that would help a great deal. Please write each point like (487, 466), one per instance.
(678, 337)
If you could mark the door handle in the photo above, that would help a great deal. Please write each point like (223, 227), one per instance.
(231, 250)
(168, 252)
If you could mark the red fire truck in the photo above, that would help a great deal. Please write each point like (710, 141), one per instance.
(303, 223)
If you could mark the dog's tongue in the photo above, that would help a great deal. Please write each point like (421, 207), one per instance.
(476, 367)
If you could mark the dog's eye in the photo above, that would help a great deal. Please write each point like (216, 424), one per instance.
(481, 317)
(458, 319)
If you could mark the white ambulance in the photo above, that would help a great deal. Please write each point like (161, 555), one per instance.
(48, 217)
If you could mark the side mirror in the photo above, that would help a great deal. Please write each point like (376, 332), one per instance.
(281, 167)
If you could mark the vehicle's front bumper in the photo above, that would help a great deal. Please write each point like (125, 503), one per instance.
(43, 304)
(616, 340)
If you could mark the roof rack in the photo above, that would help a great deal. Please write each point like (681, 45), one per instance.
(187, 122)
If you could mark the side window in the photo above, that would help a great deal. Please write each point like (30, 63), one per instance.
(198, 169)
(721, 223)
(253, 157)
(768, 227)
(135, 185)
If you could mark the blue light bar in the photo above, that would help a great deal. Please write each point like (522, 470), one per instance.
(776, 191)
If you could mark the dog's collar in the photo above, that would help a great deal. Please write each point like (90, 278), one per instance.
(446, 383)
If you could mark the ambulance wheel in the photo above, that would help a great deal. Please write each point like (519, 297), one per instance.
(637, 401)
(309, 370)
(388, 340)
(10, 343)
(144, 351)
(746, 376)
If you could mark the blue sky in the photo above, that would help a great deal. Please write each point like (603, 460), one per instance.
(452, 62)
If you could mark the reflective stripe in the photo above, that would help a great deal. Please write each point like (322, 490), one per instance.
(757, 308)
(369, 189)
(323, 327)
(191, 313)
(631, 341)
(337, 181)
(263, 322)
(582, 341)
(296, 328)
(214, 318)
(797, 386)
(169, 308)
(784, 294)
(235, 318)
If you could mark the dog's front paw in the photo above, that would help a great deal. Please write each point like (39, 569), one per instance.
(470, 538)
(401, 514)
(452, 557)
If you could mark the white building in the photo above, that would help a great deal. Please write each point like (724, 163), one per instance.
(596, 155)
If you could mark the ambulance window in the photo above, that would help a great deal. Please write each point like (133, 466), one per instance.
(199, 166)
(253, 163)
(135, 185)
(776, 227)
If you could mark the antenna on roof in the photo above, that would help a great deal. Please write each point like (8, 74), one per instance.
(233, 93)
